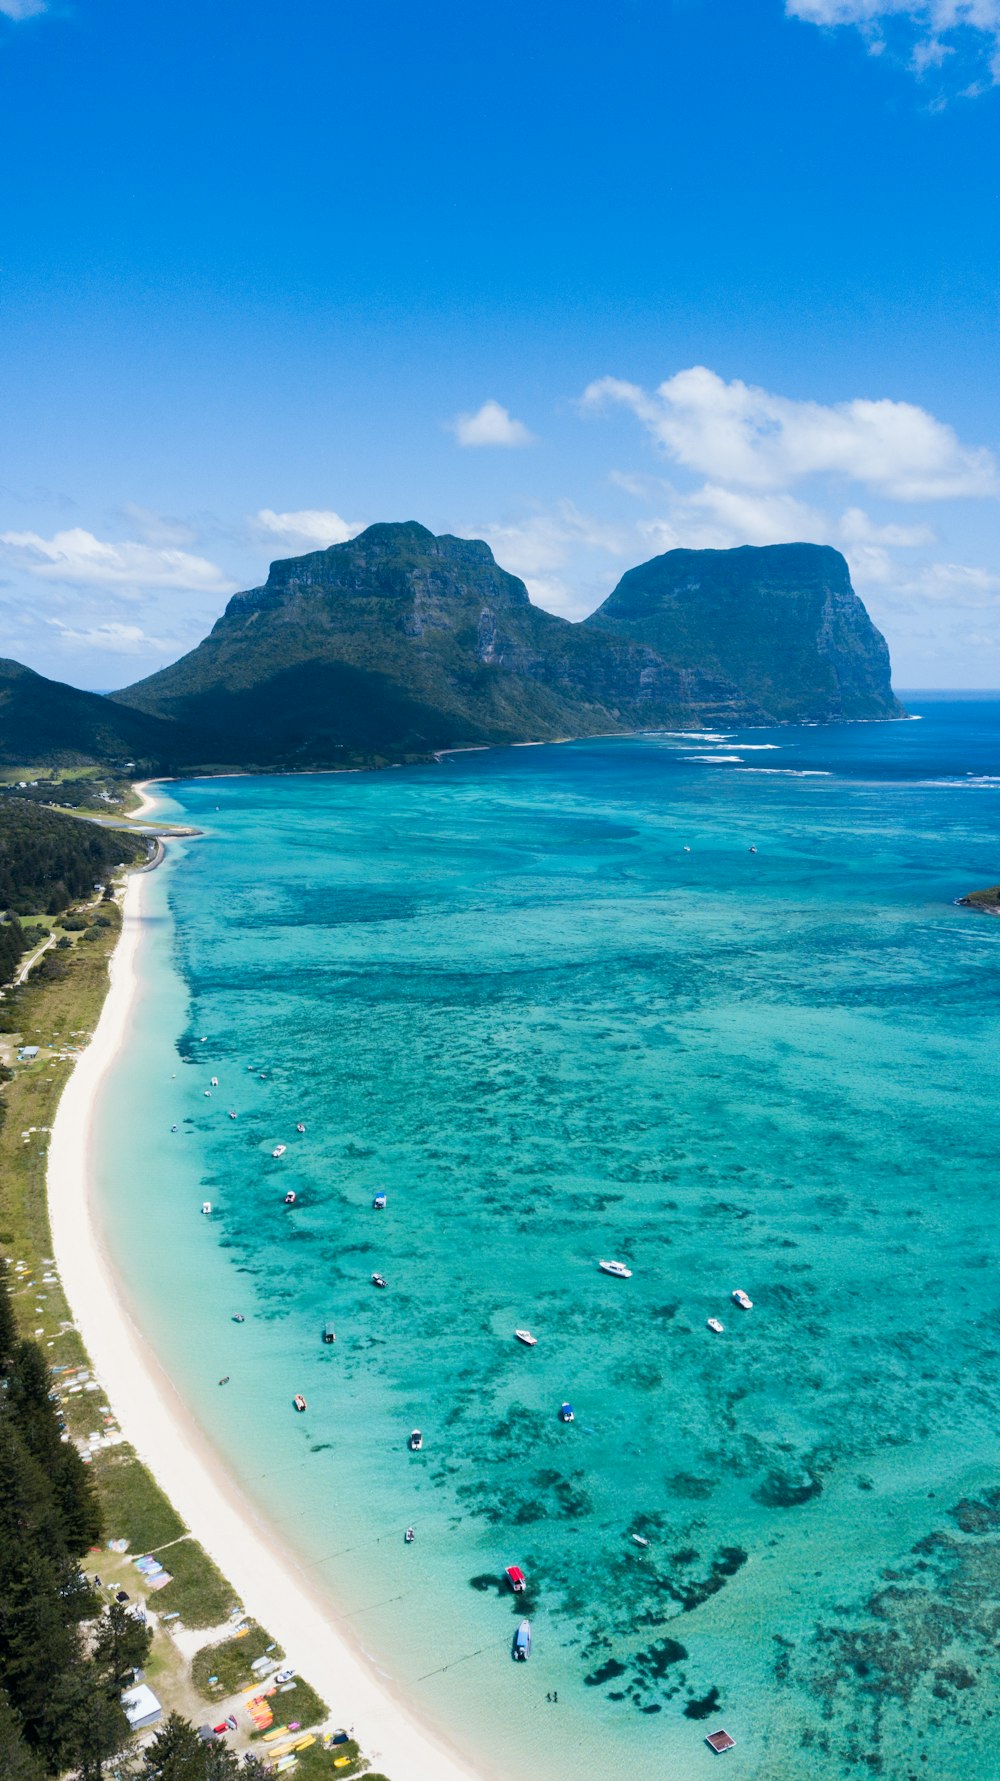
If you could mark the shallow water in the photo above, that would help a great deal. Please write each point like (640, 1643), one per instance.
(501, 990)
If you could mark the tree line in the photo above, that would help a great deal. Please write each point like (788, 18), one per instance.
(65, 1656)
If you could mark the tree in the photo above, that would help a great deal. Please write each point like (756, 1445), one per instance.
(17, 1762)
(8, 1324)
(122, 1645)
(30, 1402)
(178, 1754)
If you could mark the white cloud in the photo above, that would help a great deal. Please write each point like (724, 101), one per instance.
(490, 425)
(926, 32)
(737, 433)
(310, 528)
(544, 542)
(77, 557)
(115, 638)
(22, 9)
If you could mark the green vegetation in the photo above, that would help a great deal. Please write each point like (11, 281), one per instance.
(63, 1661)
(48, 861)
(231, 1662)
(988, 899)
(178, 1754)
(60, 727)
(780, 622)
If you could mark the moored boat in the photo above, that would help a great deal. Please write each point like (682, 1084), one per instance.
(522, 1642)
(206, 1206)
(527, 1338)
(416, 1441)
(238, 1317)
(300, 1127)
(378, 1203)
(566, 1413)
(639, 1540)
(739, 1297)
(289, 1198)
(329, 1333)
(379, 1280)
(516, 1578)
(714, 1324)
(408, 1536)
(618, 1269)
(279, 1150)
(299, 1401)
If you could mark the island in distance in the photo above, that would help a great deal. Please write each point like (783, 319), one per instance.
(399, 643)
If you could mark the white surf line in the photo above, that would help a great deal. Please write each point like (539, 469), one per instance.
(266, 1575)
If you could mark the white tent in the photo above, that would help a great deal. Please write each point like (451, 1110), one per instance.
(141, 1707)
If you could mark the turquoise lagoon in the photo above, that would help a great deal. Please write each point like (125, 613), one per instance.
(501, 989)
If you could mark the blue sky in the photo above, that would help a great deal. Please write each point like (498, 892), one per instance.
(590, 282)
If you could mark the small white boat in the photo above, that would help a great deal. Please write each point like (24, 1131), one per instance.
(714, 1324)
(639, 1540)
(214, 1080)
(618, 1269)
(522, 1642)
(206, 1206)
(739, 1297)
(566, 1413)
(408, 1536)
(378, 1202)
(208, 1094)
(527, 1338)
(299, 1401)
(232, 1113)
(300, 1127)
(378, 1280)
(289, 1199)
(416, 1441)
(279, 1150)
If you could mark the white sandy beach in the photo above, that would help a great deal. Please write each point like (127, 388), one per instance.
(265, 1575)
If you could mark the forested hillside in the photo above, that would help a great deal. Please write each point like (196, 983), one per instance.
(48, 860)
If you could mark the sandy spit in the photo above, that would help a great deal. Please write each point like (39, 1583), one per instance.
(266, 1576)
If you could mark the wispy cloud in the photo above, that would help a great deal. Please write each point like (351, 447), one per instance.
(80, 559)
(310, 528)
(962, 35)
(490, 425)
(737, 433)
(116, 639)
(22, 9)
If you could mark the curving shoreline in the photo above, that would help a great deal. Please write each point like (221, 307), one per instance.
(264, 1572)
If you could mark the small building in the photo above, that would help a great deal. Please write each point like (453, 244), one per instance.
(26, 1053)
(141, 1707)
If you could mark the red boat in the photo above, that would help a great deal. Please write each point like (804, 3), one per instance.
(516, 1578)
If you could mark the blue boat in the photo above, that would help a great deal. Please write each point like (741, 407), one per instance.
(379, 1202)
(565, 1413)
(522, 1642)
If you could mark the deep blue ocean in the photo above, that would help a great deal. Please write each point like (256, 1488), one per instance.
(554, 1005)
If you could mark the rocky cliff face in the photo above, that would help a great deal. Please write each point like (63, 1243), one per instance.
(781, 621)
(398, 643)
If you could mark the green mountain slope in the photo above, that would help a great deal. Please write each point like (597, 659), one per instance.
(45, 723)
(398, 643)
(781, 620)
